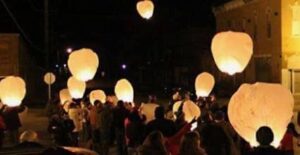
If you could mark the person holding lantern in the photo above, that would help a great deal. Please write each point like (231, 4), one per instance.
(12, 121)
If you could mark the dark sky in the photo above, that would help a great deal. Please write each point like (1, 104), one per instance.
(114, 29)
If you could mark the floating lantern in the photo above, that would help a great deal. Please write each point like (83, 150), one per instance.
(261, 104)
(13, 90)
(189, 108)
(149, 111)
(124, 91)
(49, 78)
(76, 87)
(64, 96)
(83, 64)
(97, 95)
(232, 51)
(204, 84)
(145, 8)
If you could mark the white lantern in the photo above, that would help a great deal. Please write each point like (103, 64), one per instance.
(296, 19)
(145, 8)
(189, 108)
(49, 78)
(149, 111)
(13, 90)
(124, 90)
(64, 96)
(232, 51)
(97, 95)
(76, 87)
(261, 104)
(83, 64)
(204, 84)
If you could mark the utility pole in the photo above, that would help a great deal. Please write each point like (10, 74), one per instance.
(46, 41)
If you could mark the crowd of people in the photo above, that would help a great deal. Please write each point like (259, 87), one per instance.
(123, 126)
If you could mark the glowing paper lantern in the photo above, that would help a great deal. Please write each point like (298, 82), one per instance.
(232, 51)
(261, 104)
(145, 8)
(204, 84)
(296, 19)
(13, 90)
(49, 78)
(76, 87)
(97, 95)
(83, 64)
(64, 96)
(124, 90)
(190, 110)
(149, 111)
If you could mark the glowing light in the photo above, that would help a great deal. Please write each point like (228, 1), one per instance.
(76, 87)
(204, 84)
(124, 90)
(13, 90)
(145, 8)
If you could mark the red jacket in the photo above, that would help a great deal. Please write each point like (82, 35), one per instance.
(173, 142)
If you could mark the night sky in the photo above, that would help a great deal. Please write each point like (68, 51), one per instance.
(178, 34)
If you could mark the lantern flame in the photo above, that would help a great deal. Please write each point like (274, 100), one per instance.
(145, 8)
(97, 95)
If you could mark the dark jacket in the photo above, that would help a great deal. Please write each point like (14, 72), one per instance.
(167, 127)
(11, 116)
(266, 151)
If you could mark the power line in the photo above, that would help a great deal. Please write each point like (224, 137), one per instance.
(19, 27)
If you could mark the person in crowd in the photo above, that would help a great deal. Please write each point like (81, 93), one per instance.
(153, 145)
(287, 145)
(220, 120)
(12, 121)
(75, 114)
(61, 128)
(215, 140)
(135, 129)
(190, 145)
(264, 137)
(104, 123)
(120, 113)
(86, 126)
(2, 128)
(167, 127)
(53, 107)
(93, 109)
(180, 121)
(173, 143)
(176, 97)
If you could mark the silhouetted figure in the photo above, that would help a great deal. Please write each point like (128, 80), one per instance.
(12, 121)
(287, 145)
(264, 137)
(135, 129)
(161, 124)
(153, 145)
(190, 145)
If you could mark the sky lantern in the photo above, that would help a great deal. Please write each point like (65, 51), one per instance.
(83, 64)
(145, 8)
(97, 95)
(204, 84)
(13, 90)
(261, 104)
(76, 87)
(296, 19)
(148, 110)
(190, 109)
(124, 90)
(64, 96)
(232, 51)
